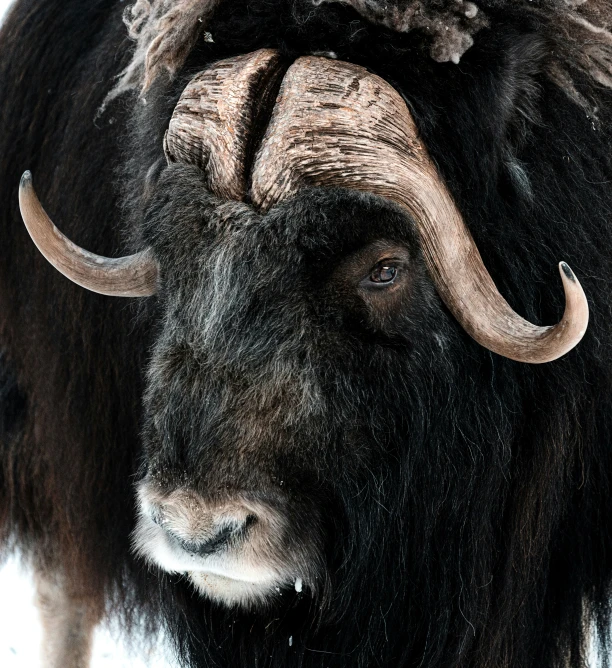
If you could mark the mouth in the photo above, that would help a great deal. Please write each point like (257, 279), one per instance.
(234, 553)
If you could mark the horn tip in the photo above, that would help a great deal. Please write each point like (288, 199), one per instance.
(565, 268)
(26, 179)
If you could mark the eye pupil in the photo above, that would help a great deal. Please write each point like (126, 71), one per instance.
(383, 274)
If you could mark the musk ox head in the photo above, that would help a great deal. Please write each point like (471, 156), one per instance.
(300, 240)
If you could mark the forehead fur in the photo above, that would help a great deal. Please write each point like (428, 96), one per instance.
(165, 31)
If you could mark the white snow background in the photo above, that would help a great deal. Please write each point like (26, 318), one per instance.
(20, 629)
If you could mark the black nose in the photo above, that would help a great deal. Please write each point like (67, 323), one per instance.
(227, 535)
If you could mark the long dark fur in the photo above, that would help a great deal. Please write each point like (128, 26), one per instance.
(578, 33)
(467, 497)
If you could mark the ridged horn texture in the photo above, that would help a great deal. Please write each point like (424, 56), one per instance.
(131, 276)
(336, 124)
(214, 125)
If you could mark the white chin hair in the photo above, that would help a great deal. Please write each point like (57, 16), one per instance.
(229, 579)
(235, 593)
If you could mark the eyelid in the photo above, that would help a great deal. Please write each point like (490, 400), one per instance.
(394, 261)
(367, 284)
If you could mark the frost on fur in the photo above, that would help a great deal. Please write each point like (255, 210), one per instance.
(578, 29)
(451, 24)
(165, 31)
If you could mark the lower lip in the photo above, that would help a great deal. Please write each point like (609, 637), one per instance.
(220, 577)
(203, 572)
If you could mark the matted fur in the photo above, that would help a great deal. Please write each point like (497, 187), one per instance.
(165, 31)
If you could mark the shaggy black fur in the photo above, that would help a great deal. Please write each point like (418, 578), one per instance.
(578, 33)
(462, 499)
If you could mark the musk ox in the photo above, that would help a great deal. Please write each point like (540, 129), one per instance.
(334, 422)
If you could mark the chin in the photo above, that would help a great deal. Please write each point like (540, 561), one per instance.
(230, 561)
(237, 593)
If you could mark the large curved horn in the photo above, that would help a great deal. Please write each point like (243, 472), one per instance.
(336, 124)
(216, 120)
(131, 276)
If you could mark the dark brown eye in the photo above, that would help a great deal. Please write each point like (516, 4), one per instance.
(383, 273)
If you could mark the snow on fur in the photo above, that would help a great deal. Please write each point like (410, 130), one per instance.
(451, 23)
(165, 31)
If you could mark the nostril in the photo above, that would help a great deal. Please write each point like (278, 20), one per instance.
(227, 534)
(208, 546)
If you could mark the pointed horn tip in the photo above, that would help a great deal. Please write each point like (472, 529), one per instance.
(26, 180)
(580, 308)
(565, 270)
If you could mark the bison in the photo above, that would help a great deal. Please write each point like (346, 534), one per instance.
(312, 408)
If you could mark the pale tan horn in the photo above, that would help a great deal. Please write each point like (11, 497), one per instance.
(336, 124)
(216, 121)
(131, 276)
(214, 126)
